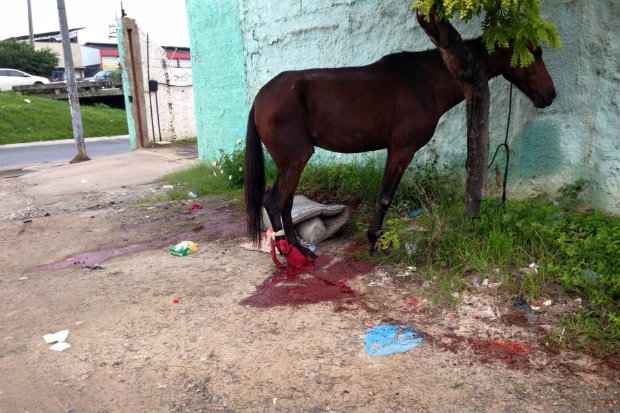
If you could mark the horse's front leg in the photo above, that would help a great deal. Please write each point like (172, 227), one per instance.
(397, 162)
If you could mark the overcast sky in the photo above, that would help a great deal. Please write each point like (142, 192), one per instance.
(164, 20)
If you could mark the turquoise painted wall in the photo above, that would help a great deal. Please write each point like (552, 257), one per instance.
(131, 126)
(218, 62)
(577, 137)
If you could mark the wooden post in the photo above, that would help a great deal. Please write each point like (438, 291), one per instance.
(471, 72)
(74, 99)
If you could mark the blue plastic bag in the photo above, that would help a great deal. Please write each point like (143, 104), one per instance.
(388, 339)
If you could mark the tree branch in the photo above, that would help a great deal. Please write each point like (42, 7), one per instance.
(457, 57)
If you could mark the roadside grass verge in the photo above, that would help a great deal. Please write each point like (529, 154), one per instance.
(535, 247)
(45, 119)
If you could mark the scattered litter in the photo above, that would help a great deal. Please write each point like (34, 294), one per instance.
(93, 267)
(60, 346)
(411, 248)
(195, 207)
(485, 282)
(535, 307)
(547, 303)
(27, 101)
(388, 339)
(590, 274)
(176, 300)
(183, 248)
(58, 337)
(58, 340)
(84, 181)
(416, 213)
(534, 267)
(519, 303)
(23, 278)
(578, 301)
(27, 221)
(192, 195)
(167, 187)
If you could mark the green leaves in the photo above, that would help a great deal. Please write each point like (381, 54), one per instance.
(505, 22)
(22, 56)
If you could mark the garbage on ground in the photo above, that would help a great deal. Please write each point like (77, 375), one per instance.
(195, 207)
(519, 303)
(192, 195)
(416, 213)
(58, 340)
(183, 248)
(390, 339)
(176, 300)
(60, 346)
(167, 187)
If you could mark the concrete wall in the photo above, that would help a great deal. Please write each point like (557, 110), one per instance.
(176, 96)
(173, 102)
(575, 138)
(218, 61)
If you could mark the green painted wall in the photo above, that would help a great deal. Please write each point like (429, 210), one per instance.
(131, 126)
(577, 137)
(218, 61)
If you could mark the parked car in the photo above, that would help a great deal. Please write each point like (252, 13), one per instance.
(14, 77)
(102, 75)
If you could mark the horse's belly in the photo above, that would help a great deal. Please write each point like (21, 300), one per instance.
(350, 144)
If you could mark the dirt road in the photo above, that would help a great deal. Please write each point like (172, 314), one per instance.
(213, 332)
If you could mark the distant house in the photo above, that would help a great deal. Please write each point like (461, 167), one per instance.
(178, 56)
(108, 53)
(53, 41)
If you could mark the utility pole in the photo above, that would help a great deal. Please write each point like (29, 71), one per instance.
(30, 23)
(74, 99)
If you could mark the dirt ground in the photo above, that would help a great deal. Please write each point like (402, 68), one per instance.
(212, 332)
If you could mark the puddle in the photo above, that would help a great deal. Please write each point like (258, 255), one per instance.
(219, 224)
(325, 280)
(514, 354)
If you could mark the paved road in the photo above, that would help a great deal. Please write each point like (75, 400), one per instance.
(22, 156)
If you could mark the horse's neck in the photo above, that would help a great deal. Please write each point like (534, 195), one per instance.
(448, 90)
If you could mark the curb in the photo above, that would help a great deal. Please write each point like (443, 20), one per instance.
(63, 142)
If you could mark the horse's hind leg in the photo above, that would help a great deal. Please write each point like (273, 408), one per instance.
(397, 162)
(280, 200)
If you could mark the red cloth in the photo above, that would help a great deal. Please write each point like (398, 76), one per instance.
(295, 259)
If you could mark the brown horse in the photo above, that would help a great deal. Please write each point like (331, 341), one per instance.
(394, 104)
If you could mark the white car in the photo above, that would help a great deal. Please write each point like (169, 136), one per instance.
(13, 77)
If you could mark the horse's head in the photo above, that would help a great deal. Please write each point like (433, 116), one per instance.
(533, 80)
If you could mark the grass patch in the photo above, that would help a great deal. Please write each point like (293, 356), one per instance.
(575, 252)
(45, 119)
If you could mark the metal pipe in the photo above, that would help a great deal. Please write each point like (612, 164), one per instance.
(148, 74)
(31, 31)
(157, 108)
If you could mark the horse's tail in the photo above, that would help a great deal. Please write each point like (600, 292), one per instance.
(254, 180)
